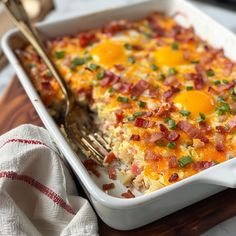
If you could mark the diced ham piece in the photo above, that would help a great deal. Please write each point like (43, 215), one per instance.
(139, 88)
(151, 156)
(128, 194)
(112, 173)
(153, 137)
(202, 165)
(125, 87)
(140, 122)
(119, 67)
(225, 87)
(174, 177)
(106, 187)
(173, 163)
(192, 131)
(232, 124)
(172, 136)
(135, 137)
(135, 169)
(86, 38)
(110, 157)
(219, 142)
(212, 91)
(119, 115)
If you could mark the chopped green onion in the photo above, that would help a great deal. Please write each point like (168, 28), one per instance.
(122, 99)
(49, 74)
(147, 34)
(160, 143)
(183, 161)
(171, 124)
(161, 77)
(131, 118)
(128, 46)
(188, 88)
(101, 75)
(201, 118)
(216, 82)
(131, 60)
(95, 82)
(175, 46)
(137, 114)
(77, 61)
(60, 54)
(225, 81)
(222, 109)
(210, 73)
(172, 71)
(220, 99)
(134, 98)
(93, 66)
(111, 90)
(141, 104)
(171, 145)
(154, 67)
(185, 112)
(195, 62)
(31, 65)
(167, 119)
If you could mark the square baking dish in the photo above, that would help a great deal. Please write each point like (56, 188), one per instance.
(126, 214)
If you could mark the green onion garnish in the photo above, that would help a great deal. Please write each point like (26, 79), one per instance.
(122, 99)
(175, 46)
(154, 67)
(188, 88)
(141, 104)
(93, 66)
(171, 124)
(185, 112)
(128, 46)
(131, 60)
(222, 109)
(171, 145)
(220, 99)
(183, 161)
(161, 77)
(210, 73)
(60, 54)
(172, 71)
(77, 61)
(195, 62)
(111, 90)
(134, 98)
(101, 75)
(201, 118)
(216, 82)
(225, 81)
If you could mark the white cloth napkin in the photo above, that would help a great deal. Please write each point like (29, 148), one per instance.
(37, 193)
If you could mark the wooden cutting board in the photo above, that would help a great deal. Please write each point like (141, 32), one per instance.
(16, 109)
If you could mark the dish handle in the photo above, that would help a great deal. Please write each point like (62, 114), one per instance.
(223, 174)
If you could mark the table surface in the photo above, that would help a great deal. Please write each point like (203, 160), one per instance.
(224, 16)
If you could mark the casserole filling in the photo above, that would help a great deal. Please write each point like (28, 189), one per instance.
(163, 97)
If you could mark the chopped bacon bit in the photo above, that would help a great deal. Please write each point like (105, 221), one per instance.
(228, 68)
(173, 163)
(116, 26)
(202, 165)
(173, 177)
(139, 88)
(169, 93)
(128, 194)
(197, 78)
(137, 47)
(163, 128)
(231, 124)
(164, 109)
(120, 67)
(119, 115)
(151, 156)
(170, 81)
(46, 85)
(135, 169)
(153, 137)
(205, 127)
(153, 92)
(90, 165)
(225, 87)
(219, 139)
(147, 114)
(109, 79)
(110, 157)
(125, 105)
(192, 131)
(172, 136)
(140, 122)
(86, 38)
(106, 187)
(125, 87)
(221, 129)
(212, 91)
(135, 137)
(112, 173)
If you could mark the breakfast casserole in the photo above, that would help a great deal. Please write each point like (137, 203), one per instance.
(163, 97)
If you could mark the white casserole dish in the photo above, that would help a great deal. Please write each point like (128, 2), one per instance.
(125, 214)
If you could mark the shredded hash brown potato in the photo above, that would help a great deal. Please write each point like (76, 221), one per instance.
(164, 97)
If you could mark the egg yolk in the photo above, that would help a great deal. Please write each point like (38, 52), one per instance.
(109, 53)
(166, 56)
(195, 102)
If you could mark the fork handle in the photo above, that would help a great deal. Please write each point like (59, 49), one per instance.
(19, 17)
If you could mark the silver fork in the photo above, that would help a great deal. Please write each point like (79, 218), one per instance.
(77, 121)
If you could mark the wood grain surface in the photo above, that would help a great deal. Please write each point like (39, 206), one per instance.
(16, 109)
